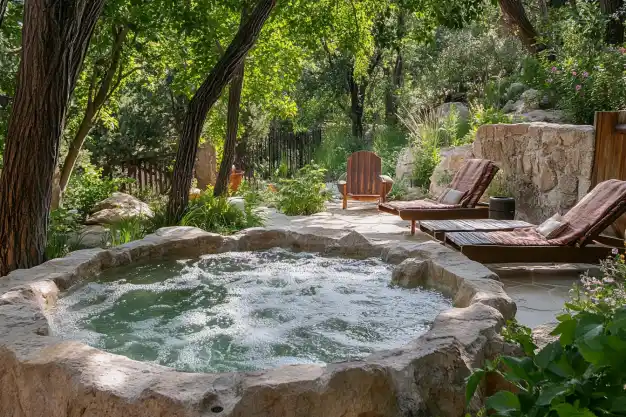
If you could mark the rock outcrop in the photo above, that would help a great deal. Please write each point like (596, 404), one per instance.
(451, 161)
(117, 207)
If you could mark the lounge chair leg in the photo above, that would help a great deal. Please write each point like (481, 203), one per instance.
(345, 201)
(412, 227)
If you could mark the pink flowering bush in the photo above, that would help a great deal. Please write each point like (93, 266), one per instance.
(580, 73)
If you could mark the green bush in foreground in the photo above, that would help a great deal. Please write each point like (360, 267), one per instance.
(580, 375)
(62, 233)
(304, 194)
(218, 215)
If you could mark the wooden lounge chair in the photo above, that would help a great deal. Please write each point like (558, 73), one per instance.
(363, 179)
(473, 179)
(580, 241)
(439, 228)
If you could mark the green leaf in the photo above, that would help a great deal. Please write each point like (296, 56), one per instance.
(568, 410)
(619, 321)
(550, 392)
(472, 384)
(548, 354)
(566, 329)
(562, 367)
(504, 403)
(618, 405)
(519, 368)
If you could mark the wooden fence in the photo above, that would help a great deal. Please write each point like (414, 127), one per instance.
(149, 174)
(279, 150)
(610, 153)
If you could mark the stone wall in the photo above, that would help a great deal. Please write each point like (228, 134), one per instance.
(548, 166)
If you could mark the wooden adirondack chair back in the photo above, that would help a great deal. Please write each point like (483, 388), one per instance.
(364, 168)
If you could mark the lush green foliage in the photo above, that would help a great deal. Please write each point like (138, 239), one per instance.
(218, 215)
(579, 73)
(63, 233)
(581, 374)
(88, 188)
(304, 194)
(127, 230)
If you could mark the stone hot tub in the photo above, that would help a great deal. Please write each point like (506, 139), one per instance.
(407, 360)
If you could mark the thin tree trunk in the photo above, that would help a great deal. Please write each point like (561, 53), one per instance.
(232, 122)
(232, 125)
(357, 103)
(517, 20)
(3, 10)
(203, 100)
(615, 25)
(55, 37)
(395, 76)
(94, 104)
(395, 80)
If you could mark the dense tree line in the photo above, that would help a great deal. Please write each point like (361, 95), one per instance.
(121, 78)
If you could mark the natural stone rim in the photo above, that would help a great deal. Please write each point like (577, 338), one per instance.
(464, 334)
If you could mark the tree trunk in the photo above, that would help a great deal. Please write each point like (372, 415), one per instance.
(232, 122)
(395, 80)
(203, 100)
(395, 76)
(517, 20)
(357, 104)
(94, 104)
(55, 37)
(3, 10)
(615, 25)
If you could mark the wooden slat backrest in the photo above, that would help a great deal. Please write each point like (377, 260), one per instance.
(364, 169)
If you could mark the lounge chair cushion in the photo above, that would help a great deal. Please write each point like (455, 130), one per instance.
(473, 178)
(451, 196)
(418, 205)
(594, 213)
(552, 227)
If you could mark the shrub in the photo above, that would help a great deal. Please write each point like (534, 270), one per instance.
(387, 144)
(88, 188)
(399, 190)
(466, 64)
(479, 115)
(581, 374)
(305, 193)
(63, 235)
(580, 72)
(428, 133)
(337, 144)
(217, 215)
(127, 230)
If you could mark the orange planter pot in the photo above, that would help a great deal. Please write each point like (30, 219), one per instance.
(235, 180)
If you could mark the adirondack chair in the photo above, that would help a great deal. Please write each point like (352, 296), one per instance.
(364, 181)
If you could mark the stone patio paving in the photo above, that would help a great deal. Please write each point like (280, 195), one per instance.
(539, 290)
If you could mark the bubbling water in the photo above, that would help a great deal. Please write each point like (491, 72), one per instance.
(244, 311)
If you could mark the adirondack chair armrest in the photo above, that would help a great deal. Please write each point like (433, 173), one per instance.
(342, 187)
(386, 179)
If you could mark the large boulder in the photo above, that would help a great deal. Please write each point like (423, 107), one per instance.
(461, 109)
(405, 164)
(117, 207)
(451, 161)
(206, 166)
